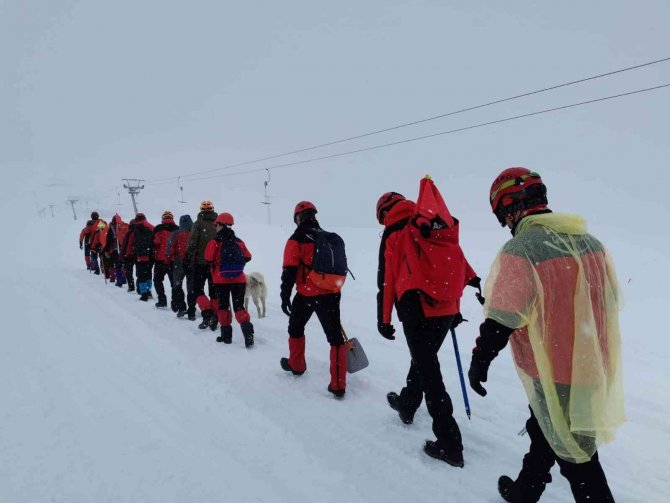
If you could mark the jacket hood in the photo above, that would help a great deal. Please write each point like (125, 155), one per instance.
(207, 216)
(185, 223)
(400, 211)
(563, 223)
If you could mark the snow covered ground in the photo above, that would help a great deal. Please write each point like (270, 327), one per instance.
(107, 399)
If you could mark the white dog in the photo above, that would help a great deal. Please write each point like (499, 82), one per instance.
(257, 290)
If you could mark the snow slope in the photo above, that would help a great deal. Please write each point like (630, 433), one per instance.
(108, 399)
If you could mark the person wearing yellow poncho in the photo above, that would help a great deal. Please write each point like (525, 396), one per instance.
(552, 292)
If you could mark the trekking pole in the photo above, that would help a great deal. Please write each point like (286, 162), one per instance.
(460, 373)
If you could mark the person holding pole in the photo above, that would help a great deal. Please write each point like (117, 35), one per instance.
(553, 294)
(422, 272)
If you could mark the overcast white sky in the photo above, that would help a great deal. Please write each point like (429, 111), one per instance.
(92, 91)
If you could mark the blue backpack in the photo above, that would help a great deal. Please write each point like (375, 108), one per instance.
(232, 260)
(329, 264)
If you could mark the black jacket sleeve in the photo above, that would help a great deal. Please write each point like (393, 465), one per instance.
(288, 277)
(492, 339)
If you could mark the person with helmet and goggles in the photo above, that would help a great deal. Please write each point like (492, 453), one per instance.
(203, 231)
(309, 299)
(553, 294)
(228, 255)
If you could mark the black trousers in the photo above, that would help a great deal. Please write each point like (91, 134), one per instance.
(202, 273)
(161, 270)
(178, 276)
(327, 308)
(224, 292)
(424, 339)
(128, 264)
(587, 480)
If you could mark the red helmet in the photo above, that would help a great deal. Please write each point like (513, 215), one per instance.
(386, 202)
(225, 219)
(303, 206)
(515, 189)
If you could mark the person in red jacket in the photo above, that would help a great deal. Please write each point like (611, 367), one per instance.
(86, 236)
(98, 242)
(183, 268)
(128, 256)
(84, 243)
(427, 301)
(115, 235)
(227, 255)
(298, 256)
(141, 242)
(162, 264)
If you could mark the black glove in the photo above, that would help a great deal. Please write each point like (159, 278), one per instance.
(458, 319)
(81, 246)
(286, 305)
(478, 374)
(386, 330)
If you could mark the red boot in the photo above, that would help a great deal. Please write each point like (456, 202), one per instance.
(338, 370)
(296, 361)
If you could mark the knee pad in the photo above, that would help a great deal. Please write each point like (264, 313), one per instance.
(225, 317)
(242, 316)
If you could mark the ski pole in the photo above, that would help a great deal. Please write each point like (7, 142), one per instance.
(460, 373)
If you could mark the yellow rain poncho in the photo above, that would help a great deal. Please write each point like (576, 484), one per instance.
(556, 285)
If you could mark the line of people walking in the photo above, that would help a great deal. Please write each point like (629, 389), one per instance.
(552, 294)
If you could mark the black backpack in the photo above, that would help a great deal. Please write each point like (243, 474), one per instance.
(232, 260)
(329, 264)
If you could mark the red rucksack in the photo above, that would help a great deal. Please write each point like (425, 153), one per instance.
(431, 259)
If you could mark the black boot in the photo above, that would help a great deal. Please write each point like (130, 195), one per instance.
(162, 301)
(248, 332)
(174, 306)
(213, 322)
(395, 403)
(144, 297)
(454, 457)
(226, 335)
(287, 367)
(181, 313)
(339, 393)
(206, 315)
(506, 488)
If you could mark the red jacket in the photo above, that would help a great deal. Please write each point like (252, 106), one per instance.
(161, 235)
(86, 234)
(213, 256)
(140, 241)
(298, 256)
(178, 244)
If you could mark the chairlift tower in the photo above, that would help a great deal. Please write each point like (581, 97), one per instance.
(181, 190)
(133, 185)
(266, 199)
(72, 200)
(51, 207)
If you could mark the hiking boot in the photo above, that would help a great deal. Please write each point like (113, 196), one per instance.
(395, 403)
(162, 302)
(226, 335)
(174, 306)
(144, 297)
(339, 393)
(450, 456)
(285, 365)
(206, 315)
(248, 332)
(191, 317)
(181, 313)
(213, 323)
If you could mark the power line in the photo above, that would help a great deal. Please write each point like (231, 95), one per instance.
(433, 135)
(420, 121)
